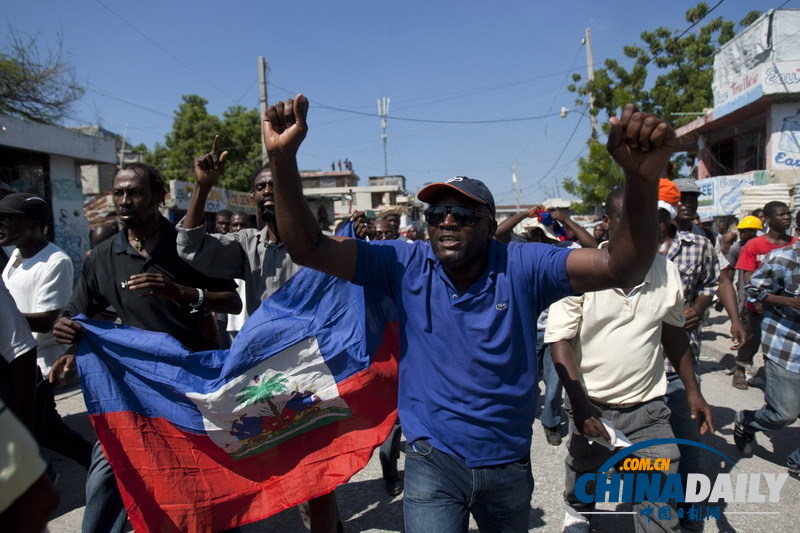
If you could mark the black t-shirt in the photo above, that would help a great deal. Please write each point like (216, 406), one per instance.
(114, 261)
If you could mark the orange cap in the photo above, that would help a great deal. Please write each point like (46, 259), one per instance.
(668, 192)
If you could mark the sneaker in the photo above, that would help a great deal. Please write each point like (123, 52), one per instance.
(741, 437)
(574, 523)
(794, 472)
(739, 379)
(552, 435)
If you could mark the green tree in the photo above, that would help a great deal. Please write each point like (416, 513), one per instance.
(35, 86)
(241, 137)
(681, 63)
(605, 175)
(193, 131)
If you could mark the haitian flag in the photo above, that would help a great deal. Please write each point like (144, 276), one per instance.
(207, 441)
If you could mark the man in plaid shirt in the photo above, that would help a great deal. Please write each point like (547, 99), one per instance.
(776, 285)
(685, 245)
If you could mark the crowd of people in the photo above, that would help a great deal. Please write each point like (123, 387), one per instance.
(485, 314)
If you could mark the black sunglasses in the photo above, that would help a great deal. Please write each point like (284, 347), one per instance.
(463, 215)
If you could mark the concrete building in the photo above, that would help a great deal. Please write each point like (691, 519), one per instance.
(46, 160)
(331, 195)
(97, 179)
(752, 135)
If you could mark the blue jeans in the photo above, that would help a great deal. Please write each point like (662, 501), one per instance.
(441, 491)
(782, 397)
(551, 409)
(104, 511)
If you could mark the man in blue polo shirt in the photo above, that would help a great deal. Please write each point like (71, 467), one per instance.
(467, 303)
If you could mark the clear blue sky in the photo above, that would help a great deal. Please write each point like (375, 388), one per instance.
(439, 61)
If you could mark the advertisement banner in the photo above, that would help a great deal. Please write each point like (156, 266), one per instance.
(722, 195)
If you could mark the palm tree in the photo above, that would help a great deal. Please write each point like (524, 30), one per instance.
(263, 392)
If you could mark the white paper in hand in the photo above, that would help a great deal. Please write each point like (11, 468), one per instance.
(618, 438)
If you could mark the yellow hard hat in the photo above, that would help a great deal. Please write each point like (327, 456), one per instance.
(750, 222)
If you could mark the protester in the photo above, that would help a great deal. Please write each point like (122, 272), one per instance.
(39, 274)
(258, 257)
(27, 496)
(411, 234)
(39, 278)
(392, 216)
(467, 391)
(685, 245)
(550, 416)
(727, 235)
(599, 233)
(98, 235)
(384, 230)
(776, 285)
(140, 274)
(222, 221)
(390, 449)
(18, 364)
(746, 229)
(239, 221)
(624, 387)
(778, 219)
(759, 213)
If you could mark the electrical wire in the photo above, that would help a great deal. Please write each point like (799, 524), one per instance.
(170, 54)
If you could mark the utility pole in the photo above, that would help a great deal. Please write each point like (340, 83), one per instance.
(262, 101)
(587, 40)
(383, 112)
(122, 148)
(516, 184)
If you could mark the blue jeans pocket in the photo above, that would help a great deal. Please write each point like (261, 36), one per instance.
(521, 465)
(422, 448)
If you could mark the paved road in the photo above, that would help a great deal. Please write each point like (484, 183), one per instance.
(365, 507)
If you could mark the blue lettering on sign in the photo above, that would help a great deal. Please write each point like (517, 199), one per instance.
(788, 161)
(776, 77)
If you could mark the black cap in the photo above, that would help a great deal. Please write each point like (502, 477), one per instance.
(472, 189)
(28, 205)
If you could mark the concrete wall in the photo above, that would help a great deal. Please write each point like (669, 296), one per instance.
(70, 227)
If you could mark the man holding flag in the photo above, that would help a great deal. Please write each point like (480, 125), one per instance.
(468, 370)
(140, 275)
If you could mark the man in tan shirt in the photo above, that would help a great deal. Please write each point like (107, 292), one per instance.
(608, 348)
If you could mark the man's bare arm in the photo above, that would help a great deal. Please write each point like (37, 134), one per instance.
(207, 170)
(42, 322)
(641, 144)
(151, 284)
(284, 128)
(781, 301)
(504, 228)
(584, 237)
(584, 413)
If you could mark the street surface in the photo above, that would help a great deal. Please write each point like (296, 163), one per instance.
(364, 506)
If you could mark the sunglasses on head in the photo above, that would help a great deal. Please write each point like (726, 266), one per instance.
(463, 215)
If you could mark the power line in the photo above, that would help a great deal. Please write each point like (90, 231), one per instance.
(170, 54)
(425, 120)
(124, 101)
(561, 154)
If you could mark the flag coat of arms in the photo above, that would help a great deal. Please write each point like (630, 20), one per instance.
(207, 441)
